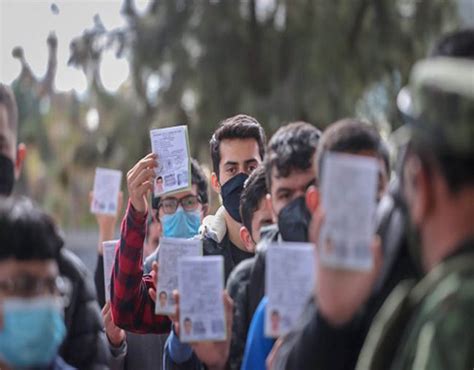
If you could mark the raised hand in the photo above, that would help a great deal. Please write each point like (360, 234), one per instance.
(115, 335)
(140, 181)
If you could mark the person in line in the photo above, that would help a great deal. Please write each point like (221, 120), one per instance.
(349, 136)
(82, 314)
(32, 294)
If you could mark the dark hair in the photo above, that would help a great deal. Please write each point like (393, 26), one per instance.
(255, 190)
(458, 44)
(291, 147)
(162, 293)
(7, 99)
(350, 135)
(455, 169)
(26, 232)
(198, 178)
(240, 126)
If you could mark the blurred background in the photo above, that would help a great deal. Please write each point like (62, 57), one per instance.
(92, 77)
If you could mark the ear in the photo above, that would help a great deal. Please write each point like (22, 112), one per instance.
(247, 239)
(216, 186)
(268, 199)
(20, 158)
(312, 199)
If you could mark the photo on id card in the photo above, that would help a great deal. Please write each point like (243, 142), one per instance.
(201, 305)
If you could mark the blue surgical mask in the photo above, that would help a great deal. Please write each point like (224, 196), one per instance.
(32, 331)
(181, 224)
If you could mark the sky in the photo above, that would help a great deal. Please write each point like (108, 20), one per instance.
(27, 23)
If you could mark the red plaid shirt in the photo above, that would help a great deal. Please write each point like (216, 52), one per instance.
(132, 307)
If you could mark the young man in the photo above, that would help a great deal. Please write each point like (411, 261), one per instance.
(255, 215)
(289, 171)
(82, 315)
(180, 215)
(237, 148)
(425, 325)
(345, 136)
(32, 324)
(319, 344)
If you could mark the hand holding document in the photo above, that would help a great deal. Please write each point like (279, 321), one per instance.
(201, 285)
(109, 258)
(289, 282)
(173, 173)
(170, 252)
(349, 189)
(106, 191)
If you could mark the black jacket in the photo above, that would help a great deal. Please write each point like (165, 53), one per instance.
(85, 345)
(318, 345)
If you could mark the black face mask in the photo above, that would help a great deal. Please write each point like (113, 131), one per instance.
(230, 193)
(293, 221)
(7, 175)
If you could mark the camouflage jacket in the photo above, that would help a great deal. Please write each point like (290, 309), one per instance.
(429, 325)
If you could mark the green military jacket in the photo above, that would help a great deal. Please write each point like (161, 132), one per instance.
(428, 325)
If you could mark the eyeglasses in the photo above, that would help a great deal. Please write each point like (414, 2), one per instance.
(30, 286)
(170, 205)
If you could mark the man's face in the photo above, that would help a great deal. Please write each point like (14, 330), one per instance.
(238, 156)
(163, 299)
(261, 217)
(7, 136)
(181, 196)
(8, 143)
(26, 279)
(188, 326)
(286, 189)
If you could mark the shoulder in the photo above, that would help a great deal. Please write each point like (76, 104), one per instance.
(71, 266)
(240, 275)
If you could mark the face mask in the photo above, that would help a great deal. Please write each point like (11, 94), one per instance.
(33, 330)
(7, 175)
(293, 221)
(230, 193)
(181, 224)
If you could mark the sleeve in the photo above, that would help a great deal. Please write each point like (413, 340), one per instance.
(83, 318)
(118, 354)
(132, 307)
(179, 352)
(99, 280)
(440, 339)
(258, 346)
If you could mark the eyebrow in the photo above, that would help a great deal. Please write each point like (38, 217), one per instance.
(248, 161)
(231, 163)
(312, 182)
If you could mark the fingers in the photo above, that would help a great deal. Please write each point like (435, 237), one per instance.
(152, 294)
(149, 162)
(316, 224)
(106, 308)
(271, 357)
(229, 313)
(155, 266)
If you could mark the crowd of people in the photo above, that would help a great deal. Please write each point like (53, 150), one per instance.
(412, 309)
